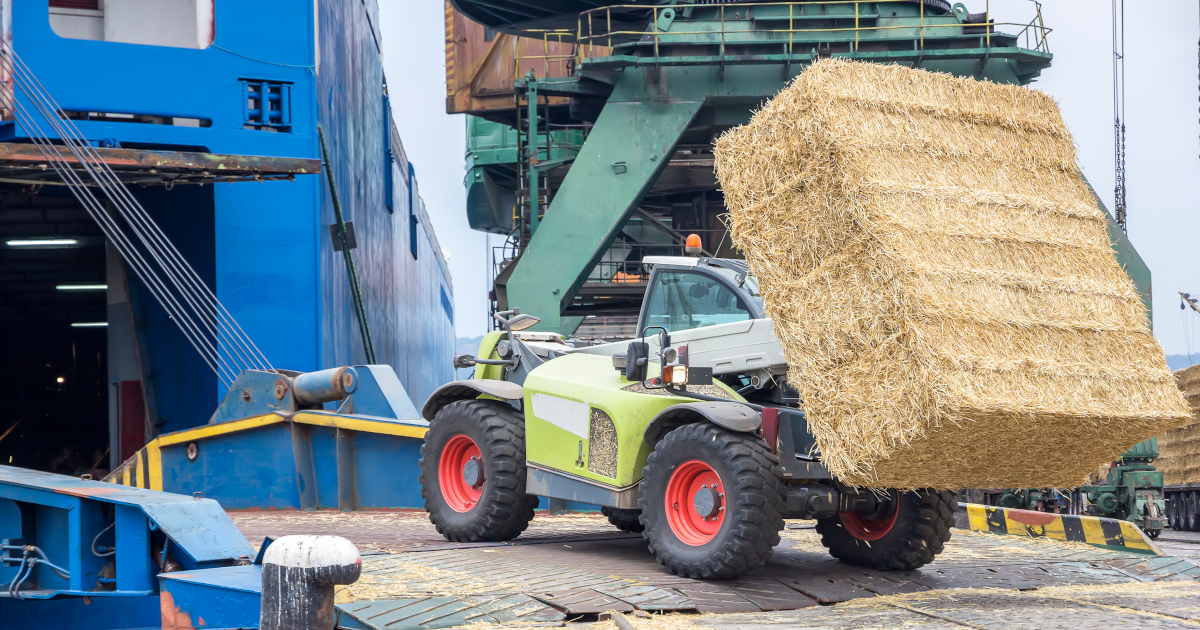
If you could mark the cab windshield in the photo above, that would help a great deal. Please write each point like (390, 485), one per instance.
(683, 300)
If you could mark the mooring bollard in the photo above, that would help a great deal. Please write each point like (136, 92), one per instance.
(298, 578)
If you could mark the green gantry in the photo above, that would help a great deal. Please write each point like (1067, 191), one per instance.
(625, 170)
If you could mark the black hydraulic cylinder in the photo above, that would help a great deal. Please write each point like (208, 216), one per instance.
(298, 579)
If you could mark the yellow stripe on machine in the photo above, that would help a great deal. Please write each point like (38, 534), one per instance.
(1066, 527)
(140, 471)
(144, 469)
(211, 430)
(154, 465)
(1093, 534)
(1055, 529)
(1133, 537)
(362, 425)
(978, 517)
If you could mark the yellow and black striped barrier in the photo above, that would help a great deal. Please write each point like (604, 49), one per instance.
(1109, 533)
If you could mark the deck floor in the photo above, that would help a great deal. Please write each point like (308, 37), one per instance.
(568, 567)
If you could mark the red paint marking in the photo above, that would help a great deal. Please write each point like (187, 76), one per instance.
(172, 617)
(1030, 517)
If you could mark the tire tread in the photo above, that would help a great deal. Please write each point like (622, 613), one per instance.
(507, 510)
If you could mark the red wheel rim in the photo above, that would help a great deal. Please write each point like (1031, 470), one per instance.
(871, 529)
(460, 451)
(695, 482)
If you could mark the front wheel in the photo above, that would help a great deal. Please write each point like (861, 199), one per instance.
(712, 502)
(908, 530)
(473, 472)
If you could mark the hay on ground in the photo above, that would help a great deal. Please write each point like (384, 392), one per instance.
(1179, 450)
(942, 281)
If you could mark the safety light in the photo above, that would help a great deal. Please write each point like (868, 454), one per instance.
(675, 374)
(60, 380)
(82, 287)
(42, 243)
(692, 245)
(89, 325)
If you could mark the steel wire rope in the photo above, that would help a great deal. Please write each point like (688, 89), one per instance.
(120, 241)
(201, 299)
(72, 178)
(229, 335)
(92, 205)
(182, 274)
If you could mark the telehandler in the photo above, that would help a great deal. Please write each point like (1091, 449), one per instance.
(689, 434)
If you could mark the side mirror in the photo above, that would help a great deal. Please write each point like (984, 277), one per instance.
(522, 321)
(636, 359)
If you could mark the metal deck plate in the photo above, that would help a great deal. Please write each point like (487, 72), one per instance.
(586, 570)
(583, 602)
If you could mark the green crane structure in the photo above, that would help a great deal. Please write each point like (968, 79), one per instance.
(589, 172)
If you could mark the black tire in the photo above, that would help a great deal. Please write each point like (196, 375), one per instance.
(503, 510)
(1153, 533)
(754, 502)
(924, 520)
(624, 520)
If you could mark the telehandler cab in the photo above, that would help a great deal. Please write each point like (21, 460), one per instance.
(689, 434)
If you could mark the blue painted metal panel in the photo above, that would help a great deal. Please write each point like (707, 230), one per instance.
(386, 471)
(76, 613)
(228, 597)
(324, 445)
(246, 578)
(68, 509)
(54, 537)
(134, 568)
(380, 394)
(401, 292)
(249, 469)
(10, 520)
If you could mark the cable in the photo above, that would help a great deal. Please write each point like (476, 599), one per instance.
(137, 217)
(173, 282)
(97, 539)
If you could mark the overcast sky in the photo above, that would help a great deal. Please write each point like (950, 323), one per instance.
(1162, 155)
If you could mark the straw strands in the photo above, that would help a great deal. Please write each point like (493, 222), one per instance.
(1179, 450)
(941, 281)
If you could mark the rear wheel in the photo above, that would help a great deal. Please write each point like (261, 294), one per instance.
(624, 520)
(908, 530)
(712, 502)
(473, 472)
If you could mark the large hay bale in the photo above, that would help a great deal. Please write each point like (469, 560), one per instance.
(941, 281)
(1179, 450)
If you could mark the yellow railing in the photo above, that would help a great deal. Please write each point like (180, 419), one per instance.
(594, 30)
